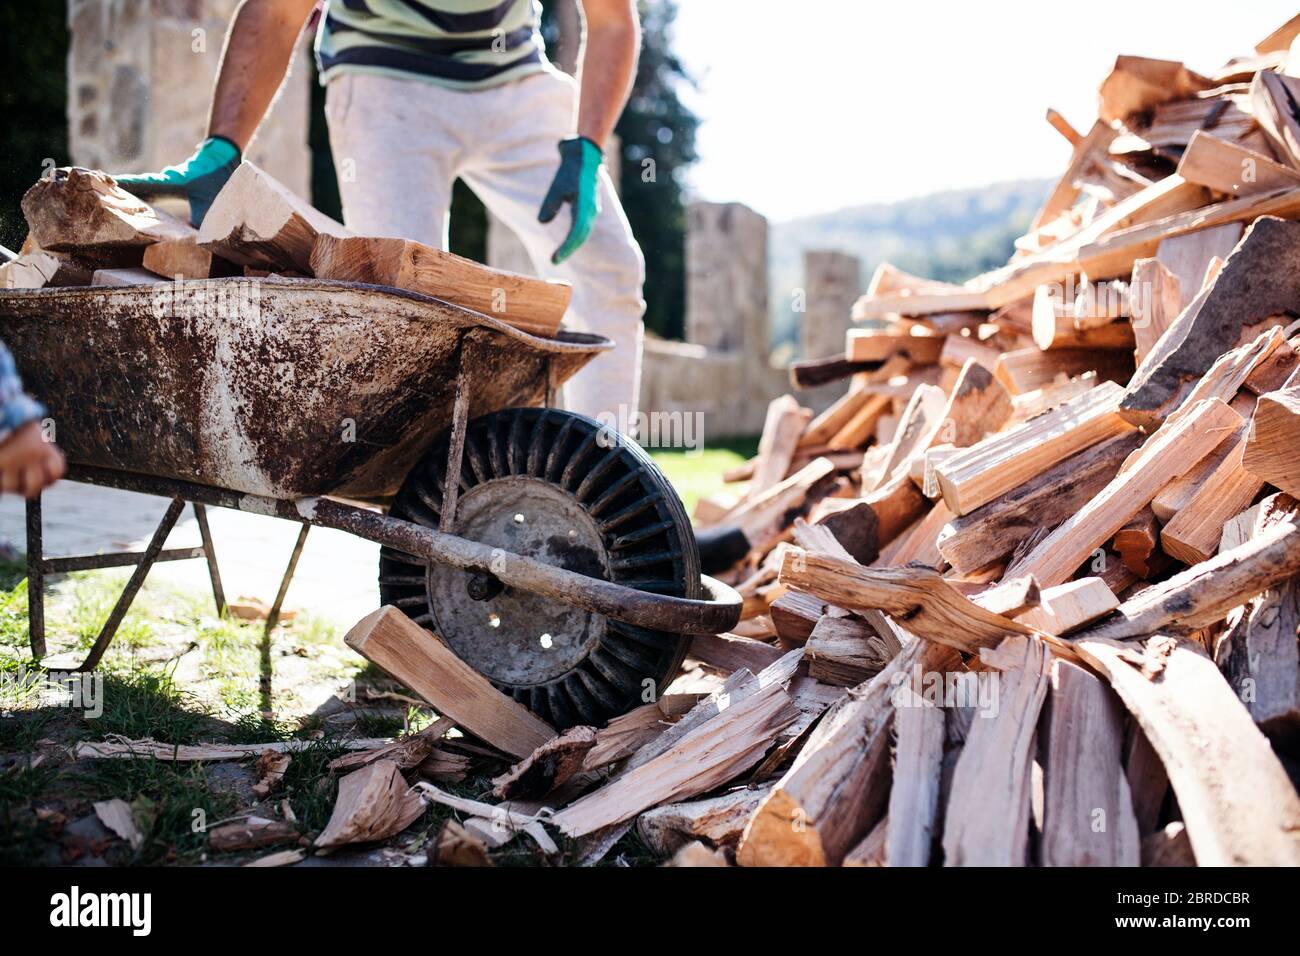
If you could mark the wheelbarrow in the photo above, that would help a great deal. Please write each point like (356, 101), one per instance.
(545, 549)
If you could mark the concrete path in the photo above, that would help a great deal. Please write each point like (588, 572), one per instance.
(336, 576)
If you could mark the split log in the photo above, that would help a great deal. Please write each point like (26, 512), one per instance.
(1232, 168)
(1236, 800)
(914, 797)
(1204, 593)
(1273, 450)
(251, 833)
(1157, 300)
(414, 656)
(534, 305)
(1070, 606)
(1024, 370)
(1147, 781)
(1168, 454)
(845, 651)
(549, 766)
(1138, 544)
(186, 258)
(795, 614)
(1260, 278)
(124, 277)
(1193, 534)
(1088, 817)
(1138, 83)
(1273, 99)
(712, 754)
(257, 221)
(931, 606)
(718, 821)
(992, 531)
(987, 821)
(729, 653)
(31, 270)
(628, 733)
(1189, 258)
(869, 345)
(373, 804)
(785, 423)
(86, 212)
(1005, 460)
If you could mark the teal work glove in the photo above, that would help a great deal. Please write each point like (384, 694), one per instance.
(576, 182)
(198, 178)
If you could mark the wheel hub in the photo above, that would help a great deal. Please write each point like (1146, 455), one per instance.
(515, 637)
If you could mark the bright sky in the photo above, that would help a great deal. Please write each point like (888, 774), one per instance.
(813, 105)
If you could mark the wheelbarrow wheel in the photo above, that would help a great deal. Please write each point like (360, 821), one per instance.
(563, 489)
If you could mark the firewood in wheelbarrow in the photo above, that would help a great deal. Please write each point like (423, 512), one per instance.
(257, 221)
(86, 212)
(533, 305)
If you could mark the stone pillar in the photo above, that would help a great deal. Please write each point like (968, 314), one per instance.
(140, 77)
(726, 278)
(831, 284)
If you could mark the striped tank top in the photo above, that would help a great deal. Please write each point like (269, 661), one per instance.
(463, 44)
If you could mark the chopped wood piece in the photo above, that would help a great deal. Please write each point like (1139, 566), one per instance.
(1273, 99)
(407, 752)
(1188, 257)
(1069, 606)
(785, 423)
(1273, 449)
(1002, 461)
(1168, 847)
(250, 834)
(930, 605)
(1147, 780)
(1193, 534)
(867, 345)
(117, 815)
(795, 614)
(257, 221)
(1205, 592)
(1163, 458)
(32, 270)
(1008, 598)
(917, 428)
(979, 405)
(626, 734)
(1138, 544)
(992, 531)
(149, 749)
(373, 804)
(546, 768)
(987, 821)
(713, 753)
(1231, 168)
(728, 653)
(120, 277)
(870, 851)
(456, 846)
(1138, 83)
(1088, 817)
(426, 665)
(1260, 659)
(697, 854)
(1027, 369)
(534, 305)
(1236, 800)
(1054, 325)
(914, 797)
(86, 212)
(187, 259)
(717, 821)
(279, 858)
(845, 651)
(918, 545)
(1260, 278)
(1157, 300)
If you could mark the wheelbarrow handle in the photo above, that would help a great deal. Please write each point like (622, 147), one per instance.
(719, 613)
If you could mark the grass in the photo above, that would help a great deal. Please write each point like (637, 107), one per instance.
(698, 474)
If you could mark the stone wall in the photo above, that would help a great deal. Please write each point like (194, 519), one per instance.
(140, 75)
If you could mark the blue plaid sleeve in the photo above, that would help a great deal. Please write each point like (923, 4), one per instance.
(16, 407)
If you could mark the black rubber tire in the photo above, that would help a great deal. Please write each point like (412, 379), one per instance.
(618, 485)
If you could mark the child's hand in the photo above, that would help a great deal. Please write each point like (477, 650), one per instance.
(29, 463)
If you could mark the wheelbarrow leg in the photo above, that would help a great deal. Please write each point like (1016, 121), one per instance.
(133, 586)
(273, 618)
(210, 552)
(35, 579)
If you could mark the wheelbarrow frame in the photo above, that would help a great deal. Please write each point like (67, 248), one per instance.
(718, 613)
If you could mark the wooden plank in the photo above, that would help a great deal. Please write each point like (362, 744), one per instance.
(1231, 168)
(1070, 606)
(1088, 817)
(1272, 451)
(987, 820)
(997, 464)
(1163, 458)
(1261, 278)
(1235, 798)
(414, 656)
(257, 221)
(992, 531)
(531, 304)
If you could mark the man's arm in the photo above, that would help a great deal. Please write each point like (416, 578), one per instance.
(259, 46)
(608, 65)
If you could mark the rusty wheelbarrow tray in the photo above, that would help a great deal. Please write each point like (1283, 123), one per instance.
(267, 395)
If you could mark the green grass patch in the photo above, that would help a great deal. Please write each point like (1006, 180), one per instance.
(698, 474)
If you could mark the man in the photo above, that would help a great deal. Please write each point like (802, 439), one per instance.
(420, 92)
(28, 463)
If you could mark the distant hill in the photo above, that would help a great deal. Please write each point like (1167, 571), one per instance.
(950, 235)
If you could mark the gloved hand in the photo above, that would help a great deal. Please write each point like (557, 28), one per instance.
(198, 178)
(576, 182)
